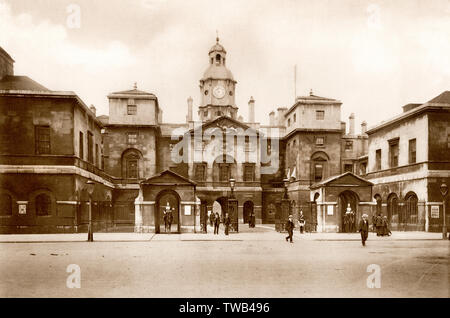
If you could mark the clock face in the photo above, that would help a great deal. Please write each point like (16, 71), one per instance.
(219, 91)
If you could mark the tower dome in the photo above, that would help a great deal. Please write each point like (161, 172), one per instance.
(217, 61)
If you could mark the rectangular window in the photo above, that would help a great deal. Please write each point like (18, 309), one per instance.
(249, 172)
(348, 145)
(320, 141)
(132, 138)
(200, 172)
(42, 135)
(320, 114)
(81, 145)
(412, 151)
(378, 159)
(393, 152)
(247, 143)
(318, 172)
(289, 122)
(97, 156)
(363, 168)
(224, 172)
(348, 168)
(131, 109)
(90, 143)
(295, 118)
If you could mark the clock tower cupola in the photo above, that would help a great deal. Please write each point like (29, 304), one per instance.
(217, 87)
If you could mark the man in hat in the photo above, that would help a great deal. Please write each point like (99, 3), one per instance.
(364, 229)
(290, 229)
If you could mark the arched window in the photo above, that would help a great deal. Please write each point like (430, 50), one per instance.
(43, 204)
(5, 204)
(393, 210)
(218, 58)
(411, 215)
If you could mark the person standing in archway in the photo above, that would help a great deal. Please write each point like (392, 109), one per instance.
(227, 222)
(364, 229)
(170, 220)
(165, 221)
(211, 219)
(216, 222)
(379, 224)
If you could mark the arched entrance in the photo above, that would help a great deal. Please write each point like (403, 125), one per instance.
(167, 200)
(220, 206)
(348, 222)
(248, 211)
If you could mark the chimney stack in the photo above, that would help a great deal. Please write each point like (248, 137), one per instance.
(189, 114)
(272, 118)
(6, 64)
(351, 120)
(343, 127)
(281, 112)
(93, 109)
(363, 127)
(251, 110)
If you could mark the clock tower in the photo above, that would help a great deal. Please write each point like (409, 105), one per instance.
(217, 87)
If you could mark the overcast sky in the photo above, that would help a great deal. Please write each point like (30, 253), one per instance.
(374, 56)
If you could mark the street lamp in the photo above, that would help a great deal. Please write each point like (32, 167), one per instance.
(90, 189)
(232, 184)
(444, 191)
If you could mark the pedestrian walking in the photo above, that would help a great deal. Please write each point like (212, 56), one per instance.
(227, 222)
(379, 224)
(290, 229)
(301, 222)
(216, 223)
(385, 227)
(364, 229)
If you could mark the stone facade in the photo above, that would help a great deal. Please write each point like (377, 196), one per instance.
(52, 143)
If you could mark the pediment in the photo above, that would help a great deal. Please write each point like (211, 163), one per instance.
(168, 177)
(226, 124)
(346, 179)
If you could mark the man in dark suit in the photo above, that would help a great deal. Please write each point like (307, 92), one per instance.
(379, 224)
(364, 229)
(216, 223)
(227, 222)
(211, 218)
(290, 229)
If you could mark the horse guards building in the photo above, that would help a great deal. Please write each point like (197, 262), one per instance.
(305, 159)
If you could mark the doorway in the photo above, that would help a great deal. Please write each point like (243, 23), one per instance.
(167, 201)
(348, 221)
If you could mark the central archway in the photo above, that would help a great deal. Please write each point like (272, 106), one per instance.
(348, 224)
(165, 199)
(221, 206)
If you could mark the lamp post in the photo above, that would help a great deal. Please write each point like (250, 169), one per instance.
(233, 207)
(232, 184)
(90, 189)
(444, 191)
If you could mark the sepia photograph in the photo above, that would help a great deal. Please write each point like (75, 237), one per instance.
(227, 150)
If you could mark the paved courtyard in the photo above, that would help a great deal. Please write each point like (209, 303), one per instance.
(255, 263)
